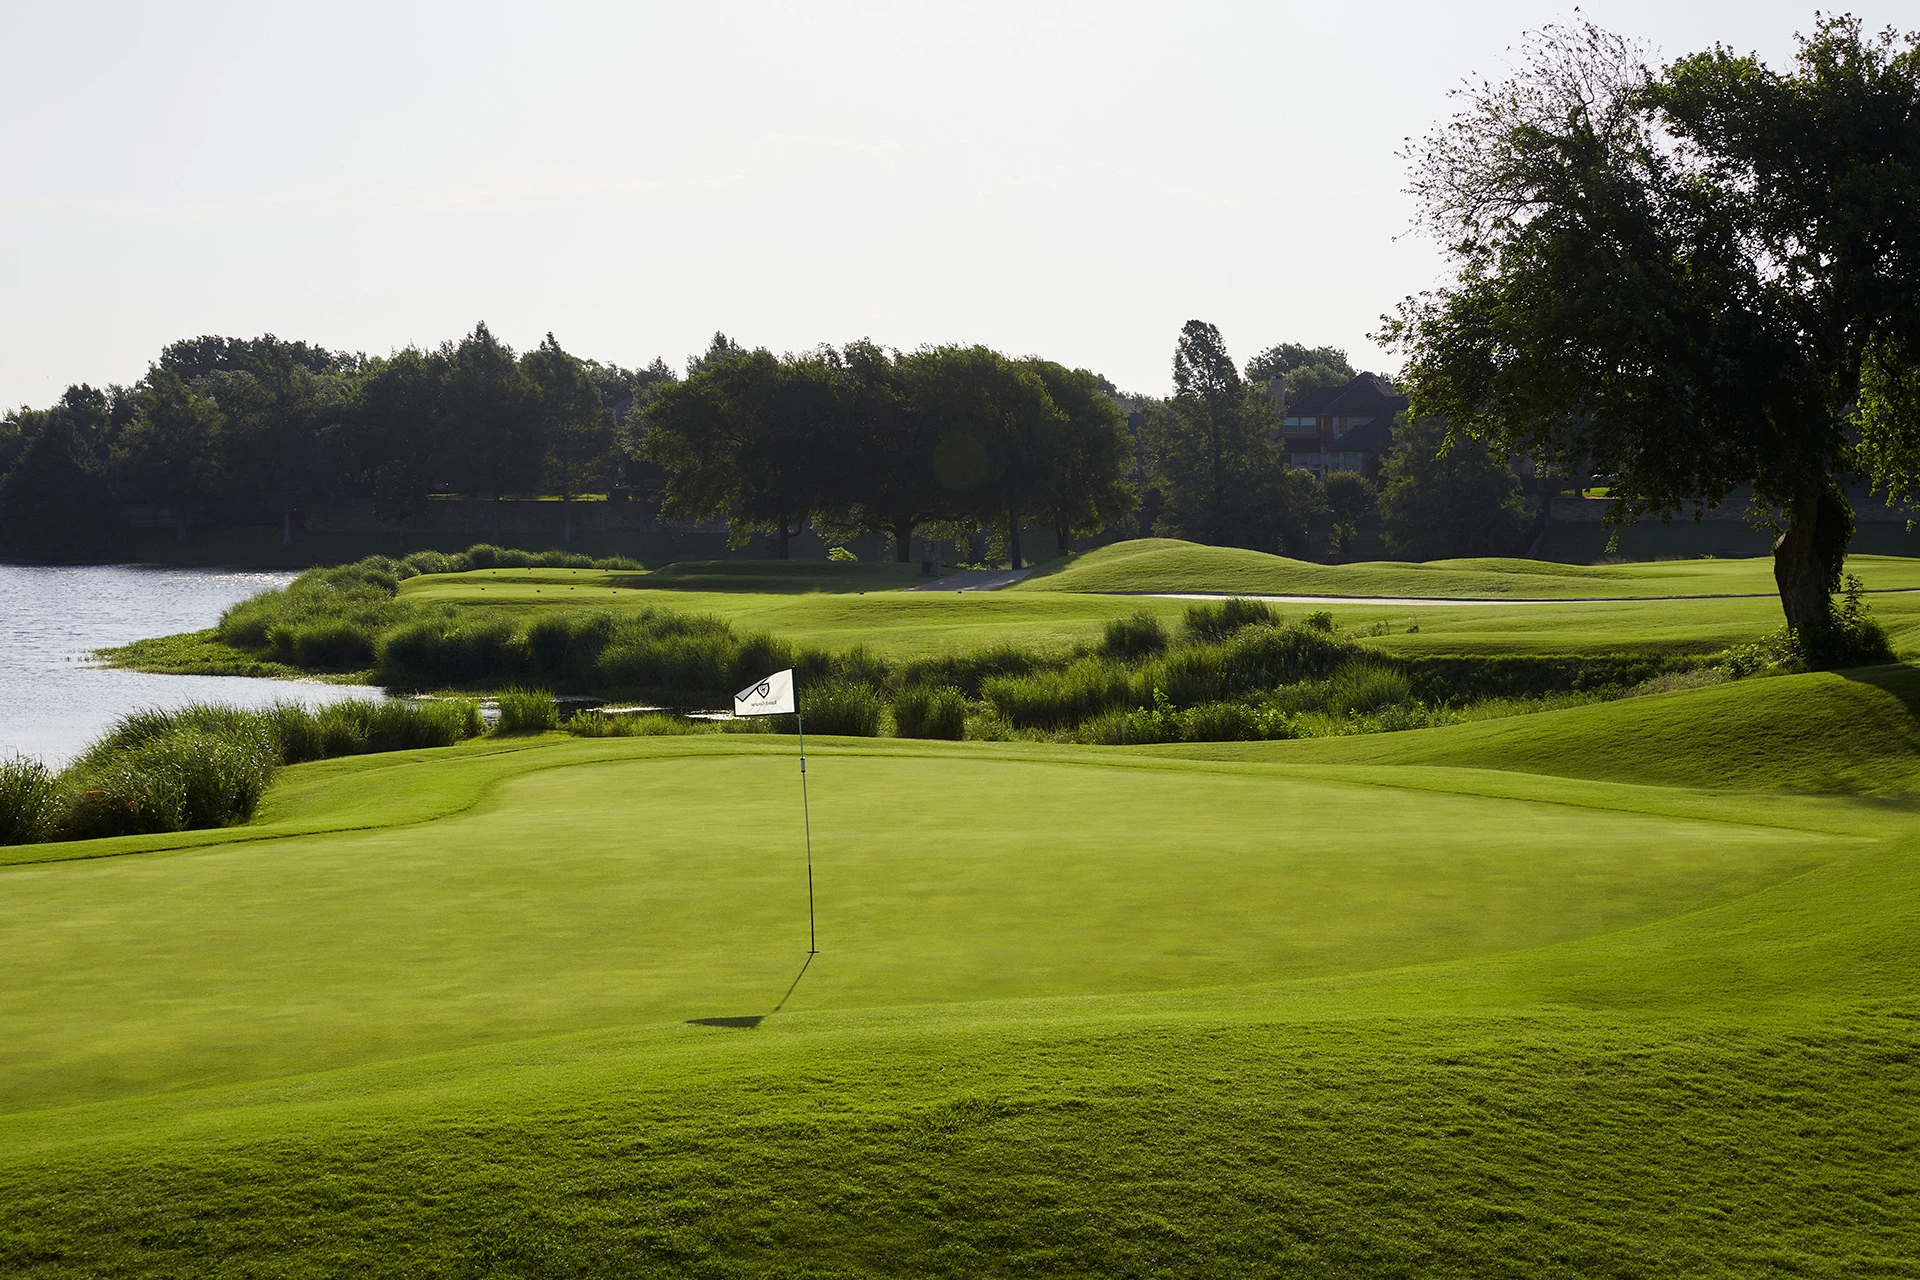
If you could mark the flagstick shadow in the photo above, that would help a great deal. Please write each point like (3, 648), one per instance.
(747, 1022)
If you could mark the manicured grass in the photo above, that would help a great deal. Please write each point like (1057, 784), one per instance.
(1074, 606)
(1166, 564)
(1491, 1007)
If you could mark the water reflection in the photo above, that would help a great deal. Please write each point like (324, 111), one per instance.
(53, 701)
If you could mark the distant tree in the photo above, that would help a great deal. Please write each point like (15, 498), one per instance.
(168, 455)
(1305, 368)
(888, 485)
(401, 494)
(1444, 499)
(747, 437)
(55, 505)
(1351, 498)
(1693, 279)
(490, 418)
(398, 418)
(1211, 451)
(1086, 487)
(719, 350)
(996, 432)
(575, 423)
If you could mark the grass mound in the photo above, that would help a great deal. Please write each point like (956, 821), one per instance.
(1853, 732)
(1170, 565)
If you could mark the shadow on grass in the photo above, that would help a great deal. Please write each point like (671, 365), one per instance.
(1900, 679)
(748, 1021)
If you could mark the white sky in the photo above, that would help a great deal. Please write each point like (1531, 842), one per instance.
(1073, 180)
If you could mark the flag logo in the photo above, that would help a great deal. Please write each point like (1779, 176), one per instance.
(770, 697)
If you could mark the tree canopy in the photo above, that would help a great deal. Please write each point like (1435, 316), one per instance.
(1213, 454)
(1692, 279)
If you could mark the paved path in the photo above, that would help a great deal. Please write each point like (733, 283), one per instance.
(974, 580)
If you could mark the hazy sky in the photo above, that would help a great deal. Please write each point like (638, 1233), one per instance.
(1071, 180)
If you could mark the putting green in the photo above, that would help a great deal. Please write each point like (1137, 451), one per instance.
(671, 886)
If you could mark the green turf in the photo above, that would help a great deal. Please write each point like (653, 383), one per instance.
(1166, 564)
(1071, 607)
(1473, 1001)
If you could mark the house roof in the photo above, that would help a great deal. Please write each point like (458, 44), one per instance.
(1373, 436)
(1367, 396)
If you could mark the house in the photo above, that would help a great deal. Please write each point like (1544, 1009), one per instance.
(1344, 428)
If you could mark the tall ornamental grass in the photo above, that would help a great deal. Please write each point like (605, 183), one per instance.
(922, 712)
(205, 765)
(527, 711)
(29, 801)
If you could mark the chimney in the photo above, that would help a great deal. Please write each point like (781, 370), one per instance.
(1277, 392)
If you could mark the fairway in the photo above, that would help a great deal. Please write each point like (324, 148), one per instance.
(1694, 606)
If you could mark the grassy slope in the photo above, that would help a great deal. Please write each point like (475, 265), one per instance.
(1167, 564)
(1115, 1013)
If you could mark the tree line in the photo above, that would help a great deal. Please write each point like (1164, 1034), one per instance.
(266, 422)
(941, 441)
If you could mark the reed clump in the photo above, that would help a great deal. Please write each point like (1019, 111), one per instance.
(205, 765)
(923, 712)
(527, 711)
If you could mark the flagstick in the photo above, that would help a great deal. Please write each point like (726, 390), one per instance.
(807, 817)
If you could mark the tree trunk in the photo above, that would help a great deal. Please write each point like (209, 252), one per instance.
(903, 540)
(1013, 540)
(1807, 559)
(781, 546)
(1065, 538)
(286, 526)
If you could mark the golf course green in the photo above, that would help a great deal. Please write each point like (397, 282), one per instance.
(1621, 989)
(1552, 995)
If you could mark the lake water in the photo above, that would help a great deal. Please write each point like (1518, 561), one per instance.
(54, 700)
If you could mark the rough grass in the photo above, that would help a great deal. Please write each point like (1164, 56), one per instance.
(1091, 1013)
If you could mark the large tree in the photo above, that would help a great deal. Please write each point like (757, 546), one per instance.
(576, 425)
(1212, 453)
(490, 417)
(997, 435)
(169, 454)
(888, 485)
(748, 437)
(54, 502)
(1086, 486)
(1693, 279)
(1304, 368)
(1443, 500)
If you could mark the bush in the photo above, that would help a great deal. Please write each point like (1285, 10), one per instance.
(29, 801)
(644, 724)
(1209, 722)
(185, 779)
(1138, 635)
(841, 707)
(1363, 687)
(334, 644)
(922, 712)
(359, 726)
(1060, 699)
(840, 555)
(527, 711)
(1218, 619)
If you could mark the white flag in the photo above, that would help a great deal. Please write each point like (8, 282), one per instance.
(771, 697)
